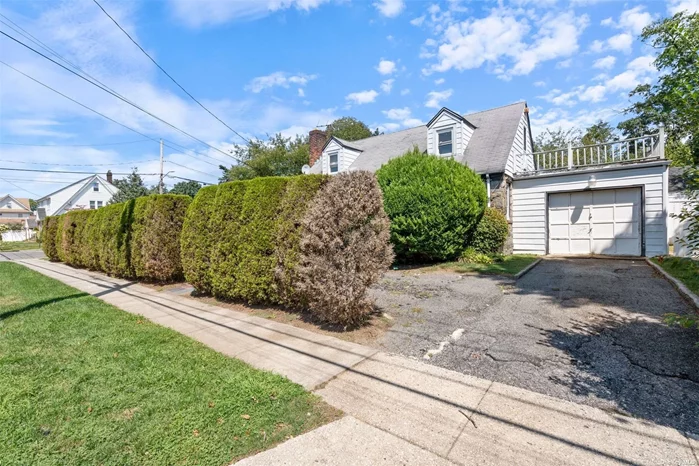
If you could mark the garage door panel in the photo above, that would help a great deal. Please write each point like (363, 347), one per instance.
(600, 222)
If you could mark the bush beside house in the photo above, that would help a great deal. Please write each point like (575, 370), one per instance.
(434, 204)
(490, 233)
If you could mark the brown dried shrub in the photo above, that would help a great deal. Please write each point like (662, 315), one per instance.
(345, 248)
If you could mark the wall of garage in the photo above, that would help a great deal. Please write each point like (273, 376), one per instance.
(529, 202)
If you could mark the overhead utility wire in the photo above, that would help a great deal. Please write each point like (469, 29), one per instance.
(19, 187)
(189, 168)
(27, 35)
(188, 179)
(118, 96)
(81, 164)
(68, 171)
(105, 116)
(72, 145)
(168, 74)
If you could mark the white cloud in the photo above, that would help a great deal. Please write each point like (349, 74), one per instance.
(388, 127)
(643, 64)
(280, 79)
(397, 113)
(387, 85)
(390, 8)
(597, 46)
(435, 98)
(503, 34)
(605, 63)
(634, 19)
(690, 6)
(362, 97)
(418, 21)
(621, 42)
(386, 67)
(607, 22)
(540, 83)
(439, 81)
(301, 92)
(412, 122)
(563, 64)
(405, 91)
(200, 13)
(593, 94)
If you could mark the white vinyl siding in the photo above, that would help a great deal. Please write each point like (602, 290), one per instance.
(516, 162)
(461, 134)
(345, 157)
(529, 204)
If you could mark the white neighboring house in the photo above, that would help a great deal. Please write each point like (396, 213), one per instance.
(16, 211)
(677, 200)
(92, 192)
(603, 199)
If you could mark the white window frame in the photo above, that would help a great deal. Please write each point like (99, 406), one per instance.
(451, 141)
(92, 205)
(337, 163)
(96, 186)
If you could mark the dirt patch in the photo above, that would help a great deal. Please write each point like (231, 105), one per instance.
(10, 300)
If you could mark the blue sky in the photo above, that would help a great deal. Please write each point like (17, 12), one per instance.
(269, 66)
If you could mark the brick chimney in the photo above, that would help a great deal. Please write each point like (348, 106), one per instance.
(316, 141)
(109, 176)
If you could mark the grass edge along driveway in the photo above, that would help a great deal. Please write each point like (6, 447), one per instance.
(83, 382)
(509, 266)
(684, 269)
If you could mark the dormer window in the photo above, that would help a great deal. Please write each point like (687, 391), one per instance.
(334, 166)
(445, 140)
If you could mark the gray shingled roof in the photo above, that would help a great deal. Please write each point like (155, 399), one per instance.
(487, 151)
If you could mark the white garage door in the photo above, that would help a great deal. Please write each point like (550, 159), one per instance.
(595, 222)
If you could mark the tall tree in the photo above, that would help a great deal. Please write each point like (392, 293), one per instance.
(278, 156)
(598, 133)
(349, 129)
(130, 187)
(673, 100)
(559, 138)
(188, 188)
(33, 205)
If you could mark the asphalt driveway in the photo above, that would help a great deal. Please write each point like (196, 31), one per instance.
(584, 330)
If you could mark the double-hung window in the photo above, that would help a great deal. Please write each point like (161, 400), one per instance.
(445, 142)
(99, 204)
(333, 160)
(92, 205)
(95, 186)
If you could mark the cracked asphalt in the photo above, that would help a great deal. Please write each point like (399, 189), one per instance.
(584, 330)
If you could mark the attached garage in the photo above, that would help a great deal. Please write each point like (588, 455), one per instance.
(595, 222)
(619, 210)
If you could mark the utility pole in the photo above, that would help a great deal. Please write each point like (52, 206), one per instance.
(160, 187)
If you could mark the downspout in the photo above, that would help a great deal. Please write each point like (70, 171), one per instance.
(487, 183)
(507, 201)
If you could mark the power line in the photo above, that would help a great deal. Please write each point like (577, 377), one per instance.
(73, 145)
(189, 168)
(168, 74)
(188, 179)
(81, 164)
(118, 96)
(19, 187)
(68, 171)
(183, 150)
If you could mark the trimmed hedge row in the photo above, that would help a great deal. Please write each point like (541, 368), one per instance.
(134, 239)
(264, 236)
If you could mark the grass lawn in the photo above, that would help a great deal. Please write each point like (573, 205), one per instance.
(82, 382)
(684, 269)
(510, 265)
(19, 245)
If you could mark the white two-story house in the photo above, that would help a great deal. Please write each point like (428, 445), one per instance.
(92, 192)
(604, 199)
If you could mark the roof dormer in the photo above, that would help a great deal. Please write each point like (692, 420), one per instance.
(448, 134)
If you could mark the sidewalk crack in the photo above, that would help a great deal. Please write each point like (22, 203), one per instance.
(470, 419)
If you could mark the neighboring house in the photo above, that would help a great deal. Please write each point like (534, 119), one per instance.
(606, 199)
(677, 200)
(17, 212)
(92, 192)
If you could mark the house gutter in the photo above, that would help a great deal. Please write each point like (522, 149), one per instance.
(594, 169)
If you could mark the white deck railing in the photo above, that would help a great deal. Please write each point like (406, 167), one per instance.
(572, 157)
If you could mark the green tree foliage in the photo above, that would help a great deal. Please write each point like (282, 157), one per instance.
(559, 138)
(49, 236)
(349, 129)
(33, 205)
(433, 203)
(673, 100)
(598, 133)
(491, 232)
(196, 240)
(278, 156)
(186, 188)
(690, 211)
(130, 187)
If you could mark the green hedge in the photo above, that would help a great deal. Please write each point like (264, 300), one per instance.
(134, 239)
(226, 223)
(196, 240)
(48, 238)
(155, 236)
(434, 204)
(491, 232)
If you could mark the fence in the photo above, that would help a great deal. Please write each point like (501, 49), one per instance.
(18, 235)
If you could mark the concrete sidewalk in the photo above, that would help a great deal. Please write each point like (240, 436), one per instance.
(401, 411)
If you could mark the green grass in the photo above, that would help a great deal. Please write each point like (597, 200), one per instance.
(682, 268)
(82, 382)
(19, 245)
(509, 266)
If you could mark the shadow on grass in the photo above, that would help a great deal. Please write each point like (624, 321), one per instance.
(38, 304)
